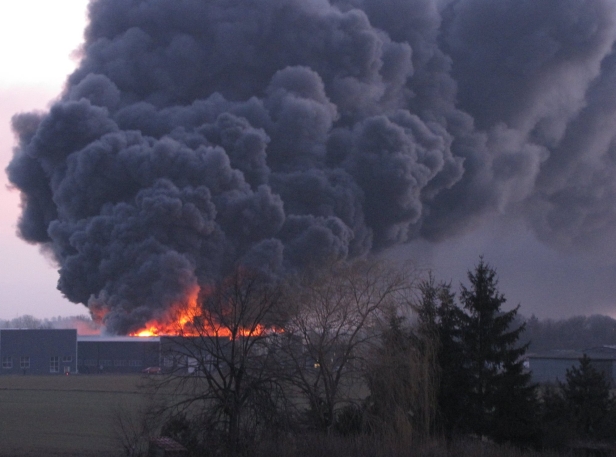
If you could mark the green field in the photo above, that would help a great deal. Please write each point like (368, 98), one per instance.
(65, 415)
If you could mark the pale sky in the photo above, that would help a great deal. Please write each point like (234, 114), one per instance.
(38, 39)
(38, 44)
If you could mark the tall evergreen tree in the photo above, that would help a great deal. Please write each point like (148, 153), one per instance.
(588, 399)
(483, 387)
(500, 401)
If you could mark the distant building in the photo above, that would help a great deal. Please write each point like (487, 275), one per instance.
(99, 354)
(63, 351)
(44, 351)
(552, 366)
(59, 351)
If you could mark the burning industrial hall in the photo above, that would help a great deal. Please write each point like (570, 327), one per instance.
(336, 309)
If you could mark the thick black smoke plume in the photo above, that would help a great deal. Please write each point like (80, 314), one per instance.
(197, 135)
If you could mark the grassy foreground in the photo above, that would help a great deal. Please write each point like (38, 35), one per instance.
(77, 416)
(64, 415)
(363, 446)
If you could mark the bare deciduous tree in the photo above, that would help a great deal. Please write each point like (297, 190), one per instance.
(133, 427)
(403, 380)
(221, 374)
(339, 308)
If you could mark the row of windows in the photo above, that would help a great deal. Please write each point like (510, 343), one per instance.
(110, 363)
(54, 363)
(24, 363)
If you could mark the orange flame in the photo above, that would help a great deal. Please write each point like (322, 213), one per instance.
(176, 321)
(188, 319)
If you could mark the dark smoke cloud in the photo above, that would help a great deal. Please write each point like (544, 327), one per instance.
(199, 135)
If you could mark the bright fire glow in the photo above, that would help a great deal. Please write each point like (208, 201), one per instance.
(178, 321)
(188, 319)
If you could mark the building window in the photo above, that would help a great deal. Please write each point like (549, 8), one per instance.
(54, 364)
(89, 362)
(7, 362)
(135, 363)
(67, 359)
(24, 362)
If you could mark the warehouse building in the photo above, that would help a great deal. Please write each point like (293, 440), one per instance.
(552, 366)
(38, 351)
(59, 351)
(99, 354)
(62, 351)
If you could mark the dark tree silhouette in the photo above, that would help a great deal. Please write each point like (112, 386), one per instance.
(500, 398)
(221, 377)
(589, 403)
(339, 308)
(440, 317)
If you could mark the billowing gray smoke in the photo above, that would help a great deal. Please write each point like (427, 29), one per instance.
(198, 135)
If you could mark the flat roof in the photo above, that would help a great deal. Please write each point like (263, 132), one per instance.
(556, 354)
(38, 329)
(596, 353)
(118, 339)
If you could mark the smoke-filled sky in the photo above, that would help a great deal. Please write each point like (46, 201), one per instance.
(196, 136)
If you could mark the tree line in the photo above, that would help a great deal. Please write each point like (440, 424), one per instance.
(84, 324)
(577, 332)
(366, 352)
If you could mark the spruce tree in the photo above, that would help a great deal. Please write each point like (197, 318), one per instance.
(587, 395)
(500, 401)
